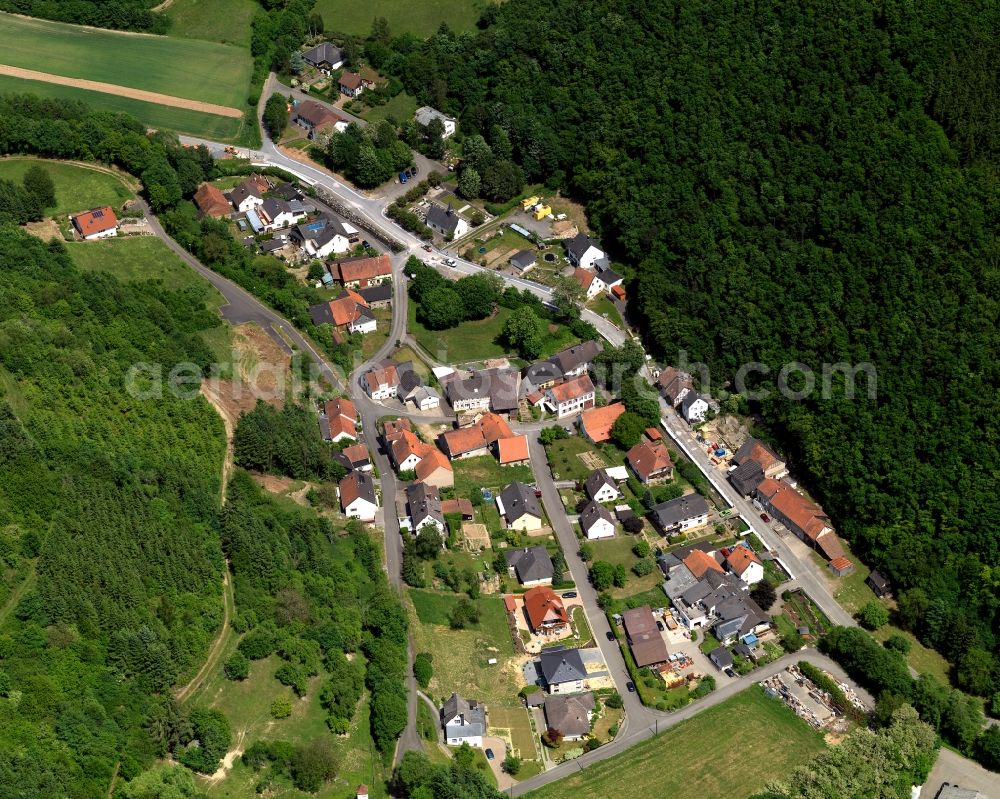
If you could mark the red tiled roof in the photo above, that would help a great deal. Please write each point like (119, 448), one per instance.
(341, 424)
(740, 558)
(393, 427)
(841, 563)
(350, 488)
(363, 268)
(211, 201)
(618, 291)
(513, 450)
(465, 439)
(572, 389)
(584, 277)
(407, 444)
(653, 434)
(96, 220)
(699, 562)
(381, 375)
(649, 458)
(462, 506)
(494, 428)
(433, 460)
(344, 309)
(357, 453)
(350, 80)
(802, 512)
(510, 603)
(541, 603)
(597, 422)
(341, 407)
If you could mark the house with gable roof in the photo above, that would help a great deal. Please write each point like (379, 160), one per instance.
(562, 670)
(463, 721)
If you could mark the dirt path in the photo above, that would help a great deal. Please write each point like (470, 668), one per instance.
(229, 759)
(228, 603)
(162, 6)
(16, 594)
(122, 91)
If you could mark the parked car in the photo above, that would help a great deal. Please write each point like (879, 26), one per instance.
(611, 635)
(449, 261)
(365, 244)
(569, 595)
(402, 177)
(428, 247)
(765, 518)
(415, 169)
(631, 687)
(489, 754)
(659, 625)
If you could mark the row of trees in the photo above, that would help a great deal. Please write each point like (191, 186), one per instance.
(126, 15)
(369, 156)
(443, 303)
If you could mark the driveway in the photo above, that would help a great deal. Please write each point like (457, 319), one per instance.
(499, 747)
(957, 770)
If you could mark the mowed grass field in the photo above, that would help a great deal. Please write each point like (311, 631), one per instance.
(161, 117)
(189, 68)
(224, 21)
(419, 17)
(730, 750)
(78, 188)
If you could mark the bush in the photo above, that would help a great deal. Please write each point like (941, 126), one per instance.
(898, 642)
(614, 701)
(464, 613)
(873, 615)
(511, 765)
(644, 567)
(237, 667)
(641, 548)
(281, 708)
(423, 668)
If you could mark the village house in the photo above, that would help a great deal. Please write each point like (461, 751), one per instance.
(644, 637)
(519, 507)
(600, 487)
(597, 521)
(513, 451)
(694, 408)
(741, 561)
(362, 272)
(597, 282)
(434, 469)
(650, 460)
(324, 236)
(348, 312)
(475, 440)
(412, 388)
(275, 214)
(807, 520)
(425, 114)
(545, 611)
(680, 515)
(357, 496)
(530, 565)
(596, 423)
(570, 362)
(446, 222)
(708, 597)
(314, 118)
(379, 296)
(211, 201)
(563, 671)
(755, 461)
(583, 251)
(97, 223)
(324, 57)
(570, 715)
(246, 196)
(574, 395)
(357, 457)
(351, 84)
(338, 420)
(488, 389)
(409, 452)
(423, 506)
(463, 721)
(674, 385)
(381, 382)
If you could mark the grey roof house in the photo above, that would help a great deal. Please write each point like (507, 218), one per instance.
(424, 505)
(681, 513)
(523, 260)
(518, 500)
(445, 221)
(324, 56)
(464, 721)
(562, 670)
(531, 565)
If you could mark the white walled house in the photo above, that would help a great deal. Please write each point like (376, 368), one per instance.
(694, 408)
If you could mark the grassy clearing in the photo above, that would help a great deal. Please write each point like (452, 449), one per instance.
(77, 187)
(460, 656)
(707, 755)
(471, 474)
(189, 68)
(419, 17)
(564, 457)
(404, 354)
(194, 123)
(371, 342)
(619, 550)
(606, 308)
(401, 108)
(516, 720)
(224, 21)
(474, 341)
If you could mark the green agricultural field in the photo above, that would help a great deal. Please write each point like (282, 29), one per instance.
(707, 755)
(225, 21)
(420, 17)
(77, 187)
(193, 123)
(197, 70)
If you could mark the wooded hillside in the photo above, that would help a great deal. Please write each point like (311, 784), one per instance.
(810, 182)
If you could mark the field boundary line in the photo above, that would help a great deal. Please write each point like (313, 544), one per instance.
(123, 91)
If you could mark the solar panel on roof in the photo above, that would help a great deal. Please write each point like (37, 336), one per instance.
(98, 214)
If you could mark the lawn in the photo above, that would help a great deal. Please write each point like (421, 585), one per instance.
(419, 17)
(404, 354)
(194, 123)
(619, 550)
(225, 21)
(401, 108)
(471, 474)
(564, 458)
(706, 756)
(474, 341)
(77, 187)
(460, 656)
(515, 719)
(603, 306)
(189, 68)
(371, 342)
